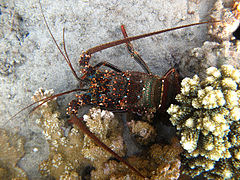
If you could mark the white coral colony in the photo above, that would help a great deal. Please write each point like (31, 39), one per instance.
(207, 121)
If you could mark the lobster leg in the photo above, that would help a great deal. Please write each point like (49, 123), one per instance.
(134, 54)
(107, 64)
(89, 70)
(165, 85)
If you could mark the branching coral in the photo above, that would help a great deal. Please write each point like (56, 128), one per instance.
(12, 150)
(207, 121)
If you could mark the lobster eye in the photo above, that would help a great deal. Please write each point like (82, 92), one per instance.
(236, 33)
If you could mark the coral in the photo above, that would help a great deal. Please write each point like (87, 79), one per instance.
(109, 130)
(69, 151)
(207, 121)
(168, 160)
(143, 132)
(223, 48)
(236, 9)
(65, 156)
(228, 13)
(12, 150)
(167, 171)
(227, 51)
(158, 162)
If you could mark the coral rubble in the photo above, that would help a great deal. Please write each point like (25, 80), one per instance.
(12, 150)
(207, 121)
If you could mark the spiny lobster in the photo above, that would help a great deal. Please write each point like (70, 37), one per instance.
(114, 89)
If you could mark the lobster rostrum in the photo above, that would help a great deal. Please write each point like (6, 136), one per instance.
(116, 90)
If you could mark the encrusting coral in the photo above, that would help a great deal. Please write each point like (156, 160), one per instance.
(12, 150)
(207, 121)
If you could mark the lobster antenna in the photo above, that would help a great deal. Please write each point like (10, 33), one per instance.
(44, 100)
(64, 55)
(128, 39)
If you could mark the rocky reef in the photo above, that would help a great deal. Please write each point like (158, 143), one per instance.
(208, 113)
(157, 162)
(207, 121)
(71, 152)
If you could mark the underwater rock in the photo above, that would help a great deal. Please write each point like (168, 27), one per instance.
(207, 121)
(12, 150)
